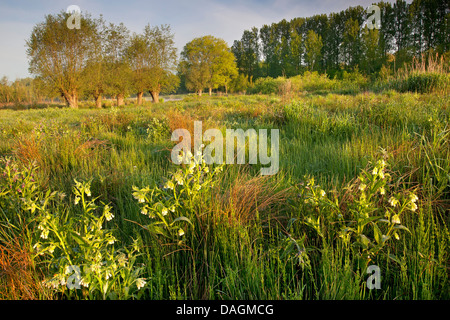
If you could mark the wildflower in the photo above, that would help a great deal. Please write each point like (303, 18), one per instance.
(172, 209)
(362, 186)
(413, 198)
(144, 211)
(206, 169)
(96, 267)
(84, 282)
(393, 202)
(38, 248)
(108, 275)
(381, 163)
(108, 214)
(395, 219)
(111, 241)
(164, 211)
(382, 191)
(44, 234)
(180, 232)
(413, 207)
(77, 199)
(140, 283)
(62, 281)
(169, 185)
(375, 171)
(140, 197)
(191, 167)
(197, 187)
(178, 178)
(322, 193)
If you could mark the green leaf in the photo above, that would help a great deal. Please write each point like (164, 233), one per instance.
(155, 228)
(370, 219)
(401, 227)
(394, 258)
(79, 239)
(364, 241)
(377, 234)
(182, 218)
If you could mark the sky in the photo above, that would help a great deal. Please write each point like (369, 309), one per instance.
(226, 19)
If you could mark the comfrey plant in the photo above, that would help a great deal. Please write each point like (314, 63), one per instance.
(171, 209)
(80, 252)
(366, 221)
(17, 187)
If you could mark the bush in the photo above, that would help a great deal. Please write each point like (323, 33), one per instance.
(312, 81)
(422, 82)
(268, 85)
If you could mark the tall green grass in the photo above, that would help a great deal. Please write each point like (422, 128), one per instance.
(252, 238)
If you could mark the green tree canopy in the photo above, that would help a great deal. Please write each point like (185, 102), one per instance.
(152, 58)
(207, 62)
(313, 47)
(58, 54)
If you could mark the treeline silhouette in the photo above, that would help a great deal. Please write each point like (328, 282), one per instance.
(342, 41)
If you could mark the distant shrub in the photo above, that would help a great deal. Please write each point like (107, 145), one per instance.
(354, 81)
(268, 85)
(425, 75)
(313, 81)
(422, 82)
(351, 82)
(239, 84)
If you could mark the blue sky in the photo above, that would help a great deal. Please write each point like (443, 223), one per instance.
(188, 19)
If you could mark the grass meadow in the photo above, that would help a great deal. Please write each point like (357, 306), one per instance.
(93, 208)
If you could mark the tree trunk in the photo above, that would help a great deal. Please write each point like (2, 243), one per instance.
(155, 96)
(139, 98)
(98, 101)
(200, 93)
(120, 101)
(226, 90)
(71, 99)
(210, 91)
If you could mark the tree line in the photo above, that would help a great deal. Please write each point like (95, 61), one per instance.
(342, 41)
(100, 59)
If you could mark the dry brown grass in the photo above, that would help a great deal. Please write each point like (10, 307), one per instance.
(177, 120)
(19, 279)
(86, 149)
(28, 149)
(248, 197)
